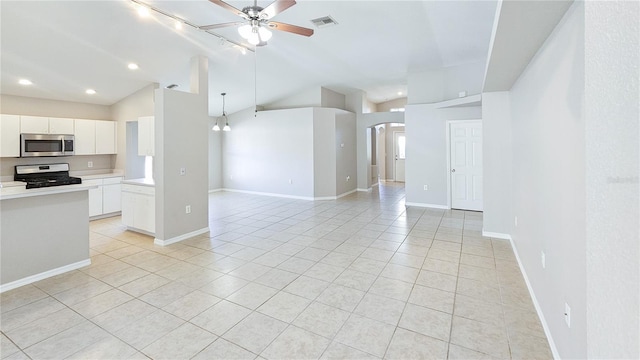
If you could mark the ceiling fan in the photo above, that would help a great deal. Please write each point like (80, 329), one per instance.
(257, 21)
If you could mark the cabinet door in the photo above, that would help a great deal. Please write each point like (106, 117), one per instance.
(144, 214)
(105, 137)
(128, 208)
(95, 201)
(34, 124)
(146, 136)
(85, 132)
(111, 198)
(61, 126)
(9, 136)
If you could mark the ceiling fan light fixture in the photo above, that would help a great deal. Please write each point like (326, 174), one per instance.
(264, 33)
(254, 38)
(245, 31)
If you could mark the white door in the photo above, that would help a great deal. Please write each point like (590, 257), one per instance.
(399, 142)
(466, 165)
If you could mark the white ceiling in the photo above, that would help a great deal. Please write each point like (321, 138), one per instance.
(65, 47)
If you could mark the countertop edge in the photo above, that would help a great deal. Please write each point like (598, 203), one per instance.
(24, 193)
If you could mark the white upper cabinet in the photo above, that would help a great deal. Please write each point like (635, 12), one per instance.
(105, 137)
(61, 126)
(85, 137)
(34, 124)
(9, 136)
(146, 136)
(45, 125)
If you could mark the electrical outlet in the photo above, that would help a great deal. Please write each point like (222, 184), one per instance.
(515, 221)
(90, 164)
(567, 315)
(290, 181)
(348, 178)
(543, 258)
(342, 145)
(187, 209)
(426, 187)
(183, 171)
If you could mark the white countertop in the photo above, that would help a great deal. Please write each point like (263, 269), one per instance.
(17, 189)
(99, 176)
(143, 182)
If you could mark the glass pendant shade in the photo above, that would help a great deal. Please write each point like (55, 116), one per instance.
(216, 127)
(245, 31)
(265, 34)
(226, 127)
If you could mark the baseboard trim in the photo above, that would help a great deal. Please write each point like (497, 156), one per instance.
(496, 235)
(364, 190)
(547, 332)
(270, 194)
(176, 239)
(431, 206)
(215, 191)
(44, 275)
(334, 197)
(104, 216)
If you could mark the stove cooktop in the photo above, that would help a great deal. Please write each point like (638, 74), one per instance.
(38, 176)
(46, 182)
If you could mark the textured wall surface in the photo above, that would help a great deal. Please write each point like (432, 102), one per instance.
(612, 59)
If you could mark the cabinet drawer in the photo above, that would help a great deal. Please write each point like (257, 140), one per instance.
(94, 182)
(112, 180)
(147, 190)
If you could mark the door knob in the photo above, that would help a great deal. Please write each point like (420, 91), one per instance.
(453, 170)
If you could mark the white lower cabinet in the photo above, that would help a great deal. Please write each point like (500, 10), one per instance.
(105, 199)
(139, 207)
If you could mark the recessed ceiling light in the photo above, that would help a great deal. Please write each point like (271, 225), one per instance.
(133, 66)
(143, 11)
(25, 82)
(399, 93)
(90, 91)
(178, 25)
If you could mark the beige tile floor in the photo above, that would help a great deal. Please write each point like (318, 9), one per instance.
(362, 277)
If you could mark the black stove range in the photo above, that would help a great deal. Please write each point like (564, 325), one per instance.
(38, 176)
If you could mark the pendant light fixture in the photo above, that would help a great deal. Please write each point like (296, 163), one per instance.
(226, 127)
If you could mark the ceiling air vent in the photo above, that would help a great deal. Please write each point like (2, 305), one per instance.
(324, 21)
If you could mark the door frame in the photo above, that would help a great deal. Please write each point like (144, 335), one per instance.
(448, 138)
(395, 148)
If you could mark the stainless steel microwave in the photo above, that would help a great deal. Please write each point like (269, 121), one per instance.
(46, 145)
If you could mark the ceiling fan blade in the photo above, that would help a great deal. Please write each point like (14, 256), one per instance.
(290, 28)
(216, 26)
(230, 8)
(276, 8)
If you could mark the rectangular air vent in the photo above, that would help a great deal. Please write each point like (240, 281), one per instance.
(324, 21)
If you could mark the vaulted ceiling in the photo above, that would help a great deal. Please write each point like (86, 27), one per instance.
(66, 47)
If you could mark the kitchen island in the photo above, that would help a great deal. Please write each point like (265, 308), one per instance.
(43, 232)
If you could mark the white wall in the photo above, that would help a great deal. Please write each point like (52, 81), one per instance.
(612, 56)
(302, 99)
(140, 103)
(345, 145)
(182, 118)
(548, 137)
(324, 152)
(426, 164)
(445, 84)
(391, 104)
(262, 152)
(332, 99)
(497, 159)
